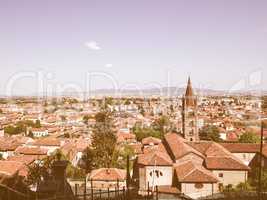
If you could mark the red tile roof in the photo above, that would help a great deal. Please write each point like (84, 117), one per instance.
(47, 142)
(155, 158)
(8, 144)
(224, 163)
(151, 140)
(241, 147)
(10, 168)
(26, 159)
(217, 157)
(178, 146)
(31, 150)
(108, 174)
(189, 172)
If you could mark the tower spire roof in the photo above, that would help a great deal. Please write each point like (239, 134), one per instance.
(189, 90)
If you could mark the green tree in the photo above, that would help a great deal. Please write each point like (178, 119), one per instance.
(210, 132)
(103, 139)
(249, 137)
(63, 118)
(37, 124)
(142, 133)
(141, 110)
(120, 157)
(108, 101)
(37, 171)
(85, 119)
(243, 187)
(87, 161)
(127, 102)
(162, 124)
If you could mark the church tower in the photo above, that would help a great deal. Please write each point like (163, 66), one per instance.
(189, 114)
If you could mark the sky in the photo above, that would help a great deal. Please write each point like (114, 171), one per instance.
(55, 45)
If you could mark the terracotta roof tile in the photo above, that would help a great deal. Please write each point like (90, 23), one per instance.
(31, 150)
(154, 158)
(108, 174)
(10, 168)
(241, 147)
(151, 140)
(178, 146)
(192, 173)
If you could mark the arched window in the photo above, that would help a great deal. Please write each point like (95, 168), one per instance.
(156, 173)
(199, 185)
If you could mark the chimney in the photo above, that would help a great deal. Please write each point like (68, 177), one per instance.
(59, 169)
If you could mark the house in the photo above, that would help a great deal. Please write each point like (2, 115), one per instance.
(31, 151)
(150, 141)
(49, 144)
(39, 132)
(126, 138)
(105, 178)
(8, 146)
(10, 169)
(254, 164)
(244, 151)
(197, 169)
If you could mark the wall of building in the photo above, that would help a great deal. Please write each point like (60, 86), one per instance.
(246, 158)
(194, 192)
(155, 175)
(231, 177)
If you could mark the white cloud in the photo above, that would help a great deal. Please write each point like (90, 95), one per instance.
(92, 45)
(108, 65)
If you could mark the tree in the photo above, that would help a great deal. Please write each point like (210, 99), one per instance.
(38, 171)
(87, 160)
(210, 132)
(63, 118)
(85, 119)
(141, 110)
(38, 124)
(75, 172)
(103, 139)
(120, 156)
(142, 133)
(172, 108)
(162, 124)
(127, 102)
(243, 187)
(264, 103)
(249, 137)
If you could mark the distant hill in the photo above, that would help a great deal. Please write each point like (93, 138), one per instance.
(164, 91)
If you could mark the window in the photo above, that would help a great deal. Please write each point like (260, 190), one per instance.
(220, 175)
(157, 173)
(199, 185)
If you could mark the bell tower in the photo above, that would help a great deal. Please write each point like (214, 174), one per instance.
(189, 114)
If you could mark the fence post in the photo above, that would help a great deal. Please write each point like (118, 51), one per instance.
(100, 191)
(108, 193)
(148, 190)
(84, 192)
(157, 193)
(92, 190)
(75, 190)
(7, 194)
(124, 193)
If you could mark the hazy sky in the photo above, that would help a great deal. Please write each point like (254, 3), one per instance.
(137, 43)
